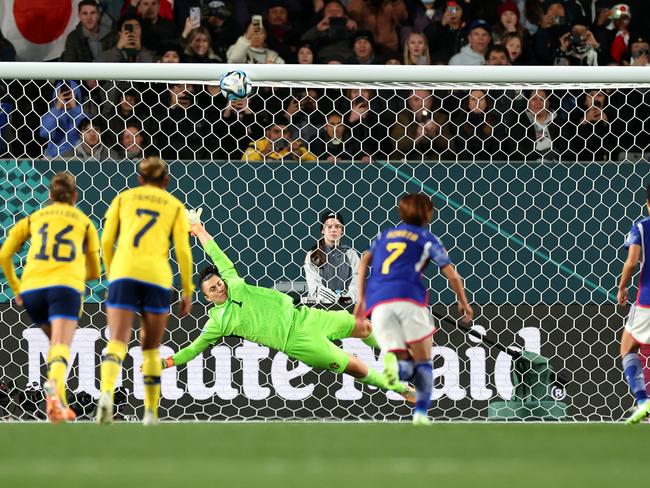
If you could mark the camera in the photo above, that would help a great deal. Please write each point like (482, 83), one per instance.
(559, 20)
(128, 28)
(576, 40)
(637, 53)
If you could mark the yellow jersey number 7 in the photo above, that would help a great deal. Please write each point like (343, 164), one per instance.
(396, 249)
(153, 218)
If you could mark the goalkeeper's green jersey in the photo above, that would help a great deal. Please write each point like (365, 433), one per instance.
(258, 314)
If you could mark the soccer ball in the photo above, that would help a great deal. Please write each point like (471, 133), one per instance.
(235, 85)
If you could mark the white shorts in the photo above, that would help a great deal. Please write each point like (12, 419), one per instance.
(398, 324)
(638, 324)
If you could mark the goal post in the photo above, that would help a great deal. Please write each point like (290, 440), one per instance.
(533, 210)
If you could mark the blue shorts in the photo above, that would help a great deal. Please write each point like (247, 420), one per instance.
(54, 302)
(138, 296)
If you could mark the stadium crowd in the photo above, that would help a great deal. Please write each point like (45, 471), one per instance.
(92, 120)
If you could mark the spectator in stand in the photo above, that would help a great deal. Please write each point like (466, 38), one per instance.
(59, 124)
(578, 47)
(446, 35)
(155, 29)
(300, 110)
(333, 141)
(122, 114)
(90, 147)
(132, 143)
(238, 127)
(276, 145)
(170, 52)
(530, 14)
(514, 44)
(553, 26)
(250, 48)
(305, 54)
(362, 109)
(178, 128)
(530, 131)
(416, 49)
(475, 125)
(199, 47)
(332, 38)
(420, 133)
(363, 50)
(128, 48)
(508, 23)
(394, 57)
(223, 27)
(7, 50)
(497, 56)
(620, 18)
(382, 18)
(331, 267)
(94, 100)
(479, 38)
(282, 35)
(93, 35)
(639, 53)
(594, 139)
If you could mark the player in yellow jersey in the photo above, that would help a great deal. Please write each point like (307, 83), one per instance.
(64, 253)
(141, 221)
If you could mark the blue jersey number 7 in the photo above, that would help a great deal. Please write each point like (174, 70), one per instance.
(153, 218)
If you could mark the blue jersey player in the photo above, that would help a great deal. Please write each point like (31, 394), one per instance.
(637, 325)
(396, 298)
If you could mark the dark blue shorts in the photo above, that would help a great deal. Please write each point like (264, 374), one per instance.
(54, 302)
(138, 296)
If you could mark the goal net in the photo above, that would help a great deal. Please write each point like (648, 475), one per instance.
(536, 186)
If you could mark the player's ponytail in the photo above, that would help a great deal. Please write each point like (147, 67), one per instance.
(63, 188)
(317, 256)
(415, 209)
(153, 170)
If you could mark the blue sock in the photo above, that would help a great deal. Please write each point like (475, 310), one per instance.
(423, 386)
(405, 370)
(634, 375)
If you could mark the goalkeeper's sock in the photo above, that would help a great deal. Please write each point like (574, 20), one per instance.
(406, 369)
(423, 385)
(634, 375)
(371, 341)
(58, 359)
(112, 365)
(151, 369)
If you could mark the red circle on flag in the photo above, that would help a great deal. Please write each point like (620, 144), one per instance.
(42, 21)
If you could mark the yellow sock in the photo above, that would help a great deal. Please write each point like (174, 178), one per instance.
(58, 359)
(112, 364)
(151, 369)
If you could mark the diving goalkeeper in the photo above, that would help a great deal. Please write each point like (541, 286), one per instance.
(269, 317)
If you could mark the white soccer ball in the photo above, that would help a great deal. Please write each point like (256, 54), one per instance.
(235, 85)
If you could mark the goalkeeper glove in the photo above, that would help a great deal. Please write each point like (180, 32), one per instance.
(194, 216)
(167, 363)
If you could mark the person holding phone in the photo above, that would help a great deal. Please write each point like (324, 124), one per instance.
(128, 48)
(60, 122)
(445, 36)
(251, 47)
(155, 29)
(332, 34)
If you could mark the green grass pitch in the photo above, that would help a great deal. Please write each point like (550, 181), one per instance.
(323, 454)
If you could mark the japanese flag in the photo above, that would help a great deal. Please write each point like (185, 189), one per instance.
(38, 28)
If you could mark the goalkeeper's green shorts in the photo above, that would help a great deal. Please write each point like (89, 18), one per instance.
(311, 338)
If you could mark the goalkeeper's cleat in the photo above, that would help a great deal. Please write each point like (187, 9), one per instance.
(54, 409)
(391, 369)
(409, 394)
(640, 412)
(104, 415)
(150, 418)
(421, 419)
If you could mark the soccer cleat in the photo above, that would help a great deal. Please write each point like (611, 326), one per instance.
(409, 394)
(150, 418)
(54, 409)
(391, 369)
(640, 412)
(104, 415)
(421, 419)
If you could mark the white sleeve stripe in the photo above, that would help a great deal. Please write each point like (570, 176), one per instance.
(424, 257)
